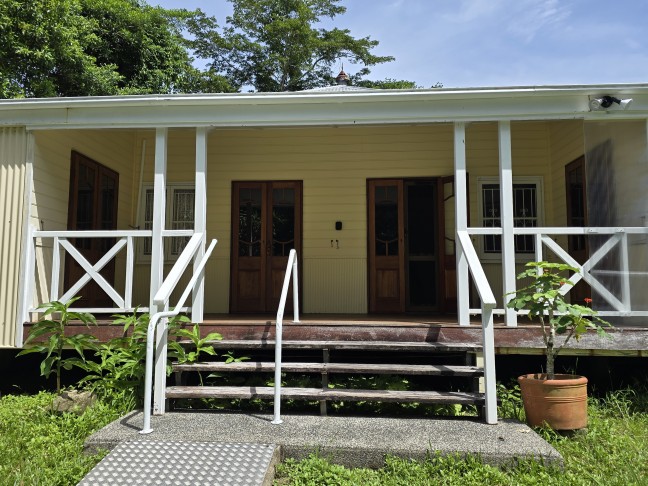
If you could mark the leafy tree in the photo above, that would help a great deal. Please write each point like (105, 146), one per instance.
(43, 51)
(95, 47)
(147, 46)
(274, 45)
(387, 83)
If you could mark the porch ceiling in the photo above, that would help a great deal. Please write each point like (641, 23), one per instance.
(322, 108)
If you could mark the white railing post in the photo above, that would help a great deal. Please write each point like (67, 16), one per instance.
(625, 274)
(461, 223)
(488, 339)
(130, 265)
(538, 247)
(56, 270)
(295, 292)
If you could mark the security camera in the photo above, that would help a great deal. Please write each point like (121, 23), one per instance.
(606, 102)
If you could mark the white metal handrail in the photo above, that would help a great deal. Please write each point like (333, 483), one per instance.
(488, 335)
(165, 314)
(164, 292)
(291, 267)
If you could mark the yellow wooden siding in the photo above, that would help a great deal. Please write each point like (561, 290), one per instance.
(115, 149)
(13, 152)
(334, 165)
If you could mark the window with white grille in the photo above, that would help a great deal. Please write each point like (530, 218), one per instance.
(526, 213)
(179, 215)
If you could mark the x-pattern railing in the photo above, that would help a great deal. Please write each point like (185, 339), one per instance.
(587, 271)
(62, 243)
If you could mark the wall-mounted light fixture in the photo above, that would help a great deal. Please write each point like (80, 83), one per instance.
(608, 102)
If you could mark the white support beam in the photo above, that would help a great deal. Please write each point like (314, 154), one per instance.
(506, 210)
(200, 221)
(461, 222)
(157, 264)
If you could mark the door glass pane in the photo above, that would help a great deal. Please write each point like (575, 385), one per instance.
(107, 195)
(576, 194)
(386, 214)
(85, 204)
(249, 236)
(283, 221)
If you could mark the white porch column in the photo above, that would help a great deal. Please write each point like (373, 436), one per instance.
(200, 220)
(461, 222)
(157, 266)
(506, 216)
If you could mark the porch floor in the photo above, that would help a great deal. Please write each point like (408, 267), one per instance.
(350, 441)
(525, 338)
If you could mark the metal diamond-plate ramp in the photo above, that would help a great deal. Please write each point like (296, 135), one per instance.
(146, 462)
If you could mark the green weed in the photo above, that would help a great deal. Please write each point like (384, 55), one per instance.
(40, 447)
(613, 451)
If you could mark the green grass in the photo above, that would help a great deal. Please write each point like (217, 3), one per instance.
(39, 447)
(45, 448)
(614, 451)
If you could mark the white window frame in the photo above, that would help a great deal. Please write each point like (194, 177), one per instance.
(171, 188)
(538, 181)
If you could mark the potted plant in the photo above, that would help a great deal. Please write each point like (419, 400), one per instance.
(558, 400)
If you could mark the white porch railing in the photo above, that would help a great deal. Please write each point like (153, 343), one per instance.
(291, 267)
(621, 305)
(61, 244)
(161, 300)
(488, 303)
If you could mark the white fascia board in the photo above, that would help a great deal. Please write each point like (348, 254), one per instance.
(321, 109)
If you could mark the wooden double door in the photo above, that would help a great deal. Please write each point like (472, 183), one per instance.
(92, 206)
(411, 246)
(266, 225)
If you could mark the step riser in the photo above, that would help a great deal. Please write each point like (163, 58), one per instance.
(317, 394)
(264, 367)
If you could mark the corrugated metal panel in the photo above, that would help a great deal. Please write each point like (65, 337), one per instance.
(13, 152)
(337, 285)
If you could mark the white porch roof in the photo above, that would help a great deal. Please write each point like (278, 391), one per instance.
(324, 108)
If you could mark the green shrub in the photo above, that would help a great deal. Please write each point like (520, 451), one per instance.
(53, 330)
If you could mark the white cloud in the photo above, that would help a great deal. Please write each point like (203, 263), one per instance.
(531, 16)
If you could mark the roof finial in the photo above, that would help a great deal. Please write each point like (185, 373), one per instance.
(343, 78)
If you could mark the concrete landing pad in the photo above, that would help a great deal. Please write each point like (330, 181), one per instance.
(350, 441)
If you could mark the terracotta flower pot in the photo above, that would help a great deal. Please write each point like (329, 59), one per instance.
(561, 402)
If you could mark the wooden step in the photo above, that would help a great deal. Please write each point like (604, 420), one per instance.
(329, 394)
(361, 368)
(432, 347)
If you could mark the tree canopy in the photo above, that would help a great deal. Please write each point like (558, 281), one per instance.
(95, 47)
(109, 47)
(275, 45)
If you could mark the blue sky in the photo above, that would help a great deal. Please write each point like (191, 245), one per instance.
(466, 43)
